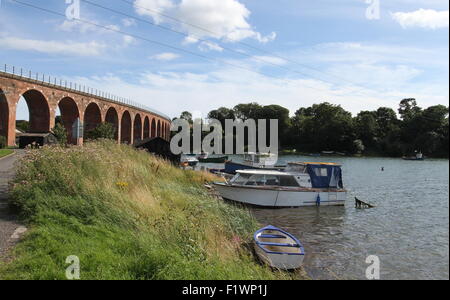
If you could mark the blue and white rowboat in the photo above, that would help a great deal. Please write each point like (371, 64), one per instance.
(278, 248)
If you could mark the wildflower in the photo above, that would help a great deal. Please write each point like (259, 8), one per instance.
(122, 184)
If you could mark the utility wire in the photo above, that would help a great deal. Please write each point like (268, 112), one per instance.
(155, 42)
(199, 39)
(245, 44)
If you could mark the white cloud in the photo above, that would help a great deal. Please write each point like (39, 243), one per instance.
(225, 19)
(128, 22)
(207, 46)
(153, 8)
(53, 47)
(423, 18)
(167, 56)
(128, 40)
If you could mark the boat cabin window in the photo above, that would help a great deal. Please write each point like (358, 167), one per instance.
(256, 180)
(288, 181)
(272, 180)
(321, 172)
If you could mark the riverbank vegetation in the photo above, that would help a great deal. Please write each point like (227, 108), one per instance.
(126, 215)
(328, 127)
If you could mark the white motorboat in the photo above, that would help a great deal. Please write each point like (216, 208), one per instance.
(302, 184)
(253, 161)
(278, 248)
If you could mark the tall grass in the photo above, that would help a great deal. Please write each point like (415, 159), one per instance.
(126, 215)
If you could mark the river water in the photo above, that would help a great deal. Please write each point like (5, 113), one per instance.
(408, 230)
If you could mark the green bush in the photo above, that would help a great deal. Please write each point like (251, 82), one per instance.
(3, 142)
(60, 133)
(102, 131)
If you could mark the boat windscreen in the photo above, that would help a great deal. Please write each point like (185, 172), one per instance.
(240, 178)
(288, 181)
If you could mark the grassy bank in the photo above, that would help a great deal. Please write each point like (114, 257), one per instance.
(5, 152)
(126, 215)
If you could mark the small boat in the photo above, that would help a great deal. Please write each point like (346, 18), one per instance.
(254, 161)
(278, 248)
(189, 160)
(214, 160)
(419, 157)
(203, 155)
(327, 152)
(301, 184)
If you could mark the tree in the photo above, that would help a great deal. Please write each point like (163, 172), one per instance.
(23, 125)
(367, 128)
(2, 142)
(60, 133)
(186, 116)
(408, 109)
(247, 111)
(221, 114)
(102, 131)
(323, 127)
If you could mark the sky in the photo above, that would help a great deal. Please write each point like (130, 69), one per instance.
(198, 55)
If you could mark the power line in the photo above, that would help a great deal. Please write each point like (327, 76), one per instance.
(246, 45)
(108, 28)
(199, 39)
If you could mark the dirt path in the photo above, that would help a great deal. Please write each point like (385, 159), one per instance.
(10, 229)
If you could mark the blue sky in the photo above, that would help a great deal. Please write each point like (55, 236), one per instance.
(288, 52)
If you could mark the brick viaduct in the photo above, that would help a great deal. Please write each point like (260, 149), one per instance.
(131, 122)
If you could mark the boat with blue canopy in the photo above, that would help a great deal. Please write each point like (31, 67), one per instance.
(301, 184)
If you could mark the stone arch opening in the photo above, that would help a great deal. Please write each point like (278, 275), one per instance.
(137, 128)
(39, 111)
(153, 128)
(92, 117)
(146, 128)
(164, 131)
(125, 124)
(69, 114)
(112, 117)
(159, 128)
(4, 115)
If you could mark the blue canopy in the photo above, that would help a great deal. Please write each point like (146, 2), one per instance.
(325, 176)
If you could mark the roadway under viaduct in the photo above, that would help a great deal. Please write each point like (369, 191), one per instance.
(132, 121)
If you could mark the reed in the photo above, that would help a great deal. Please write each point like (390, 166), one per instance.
(126, 215)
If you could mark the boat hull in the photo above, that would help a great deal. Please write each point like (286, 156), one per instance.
(281, 197)
(278, 248)
(280, 261)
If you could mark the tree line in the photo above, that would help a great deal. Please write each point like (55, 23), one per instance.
(328, 127)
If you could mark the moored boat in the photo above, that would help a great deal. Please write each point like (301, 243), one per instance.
(214, 160)
(302, 184)
(278, 248)
(253, 161)
(189, 160)
(418, 156)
